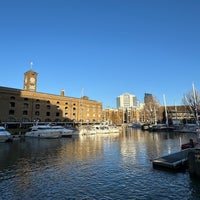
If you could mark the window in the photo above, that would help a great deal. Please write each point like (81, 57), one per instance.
(12, 104)
(37, 113)
(57, 114)
(47, 113)
(11, 112)
(25, 112)
(25, 105)
(12, 98)
(37, 106)
(48, 107)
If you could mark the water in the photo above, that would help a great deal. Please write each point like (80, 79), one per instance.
(94, 167)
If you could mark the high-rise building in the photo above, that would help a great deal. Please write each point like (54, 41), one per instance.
(148, 97)
(127, 101)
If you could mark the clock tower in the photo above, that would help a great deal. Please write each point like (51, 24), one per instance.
(30, 80)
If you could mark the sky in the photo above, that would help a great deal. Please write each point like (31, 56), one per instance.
(102, 48)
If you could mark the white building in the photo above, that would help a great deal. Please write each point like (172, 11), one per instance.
(127, 101)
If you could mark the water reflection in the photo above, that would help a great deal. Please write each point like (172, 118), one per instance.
(112, 166)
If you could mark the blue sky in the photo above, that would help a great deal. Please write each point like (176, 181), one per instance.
(103, 47)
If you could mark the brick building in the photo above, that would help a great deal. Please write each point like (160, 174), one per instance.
(28, 105)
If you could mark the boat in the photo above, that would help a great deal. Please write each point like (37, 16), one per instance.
(98, 129)
(160, 127)
(65, 132)
(145, 127)
(5, 136)
(134, 125)
(188, 128)
(86, 130)
(43, 131)
(188, 145)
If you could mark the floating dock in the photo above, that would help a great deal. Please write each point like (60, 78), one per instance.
(175, 161)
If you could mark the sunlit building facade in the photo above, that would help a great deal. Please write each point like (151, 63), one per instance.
(28, 105)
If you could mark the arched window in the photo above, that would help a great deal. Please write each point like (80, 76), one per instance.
(37, 113)
(25, 105)
(48, 107)
(37, 106)
(25, 112)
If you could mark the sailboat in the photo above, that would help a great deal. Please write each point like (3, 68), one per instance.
(194, 128)
(162, 127)
(188, 127)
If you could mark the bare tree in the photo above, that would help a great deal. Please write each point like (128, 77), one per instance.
(191, 100)
(151, 106)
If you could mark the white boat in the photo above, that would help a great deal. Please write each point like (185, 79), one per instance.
(134, 125)
(88, 130)
(65, 132)
(188, 128)
(43, 131)
(5, 136)
(98, 129)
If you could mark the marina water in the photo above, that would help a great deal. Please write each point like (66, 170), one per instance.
(111, 166)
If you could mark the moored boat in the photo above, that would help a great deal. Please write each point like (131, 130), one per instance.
(98, 129)
(188, 128)
(190, 144)
(160, 127)
(5, 136)
(43, 131)
(65, 132)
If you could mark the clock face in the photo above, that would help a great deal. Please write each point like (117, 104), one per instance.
(32, 80)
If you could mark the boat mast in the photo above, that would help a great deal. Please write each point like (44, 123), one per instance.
(81, 106)
(155, 115)
(166, 116)
(195, 104)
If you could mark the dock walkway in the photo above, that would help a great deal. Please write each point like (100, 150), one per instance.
(175, 161)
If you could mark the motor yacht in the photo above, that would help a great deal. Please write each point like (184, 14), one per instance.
(43, 131)
(5, 136)
(65, 132)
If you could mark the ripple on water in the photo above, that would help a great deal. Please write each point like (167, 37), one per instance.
(92, 168)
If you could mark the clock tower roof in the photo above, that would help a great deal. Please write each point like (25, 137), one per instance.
(31, 71)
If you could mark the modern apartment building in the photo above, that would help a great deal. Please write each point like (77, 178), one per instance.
(27, 105)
